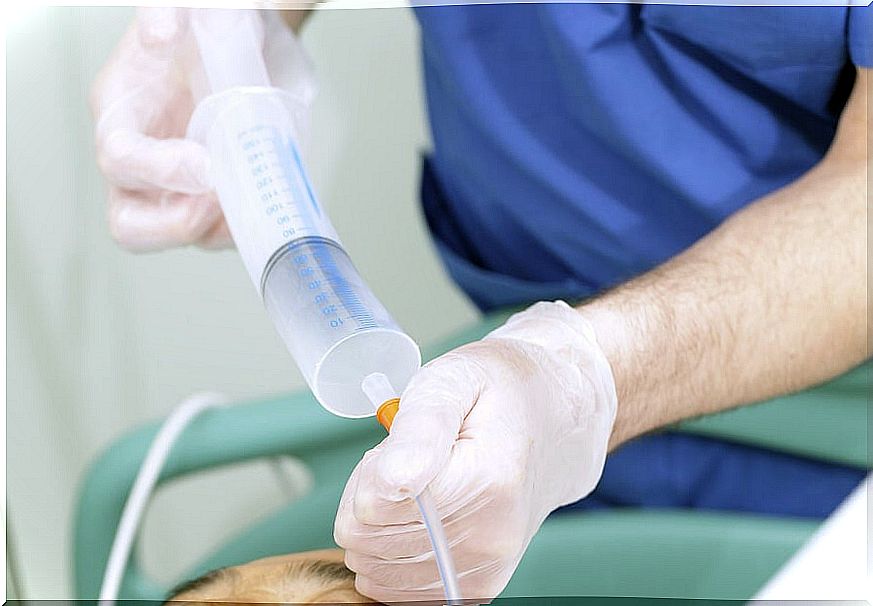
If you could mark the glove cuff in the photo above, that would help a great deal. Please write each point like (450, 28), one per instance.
(565, 332)
(553, 325)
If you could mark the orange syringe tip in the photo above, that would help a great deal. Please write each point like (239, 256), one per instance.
(387, 411)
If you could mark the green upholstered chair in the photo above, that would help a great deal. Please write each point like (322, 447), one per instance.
(629, 552)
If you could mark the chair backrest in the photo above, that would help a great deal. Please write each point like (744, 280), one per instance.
(293, 425)
(828, 422)
(656, 553)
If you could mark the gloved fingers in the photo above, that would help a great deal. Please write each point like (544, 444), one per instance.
(456, 489)
(403, 536)
(161, 29)
(481, 583)
(402, 542)
(401, 531)
(145, 222)
(131, 160)
(137, 83)
(217, 237)
(350, 511)
(475, 509)
(428, 423)
(397, 581)
(349, 532)
(417, 571)
(399, 541)
(420, 570)
(141, 103)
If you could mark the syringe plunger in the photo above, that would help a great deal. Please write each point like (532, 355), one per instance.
(230, 65)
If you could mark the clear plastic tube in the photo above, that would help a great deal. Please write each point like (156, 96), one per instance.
(378, 390)
(435, 532)
(144, 485)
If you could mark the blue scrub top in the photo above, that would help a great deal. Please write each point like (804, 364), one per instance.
(578, 145)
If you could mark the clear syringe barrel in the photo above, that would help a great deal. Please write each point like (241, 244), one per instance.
(334, 326)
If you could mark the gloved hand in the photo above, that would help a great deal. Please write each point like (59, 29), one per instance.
(504, 431)
(159, 191)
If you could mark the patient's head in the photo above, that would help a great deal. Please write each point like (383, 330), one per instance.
(298, 578)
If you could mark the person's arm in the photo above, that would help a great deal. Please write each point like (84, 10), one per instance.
(772, 301)
(505, 430)
(296, 17)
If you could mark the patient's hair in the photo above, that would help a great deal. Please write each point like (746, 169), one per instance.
(317, 572)
(323, 569)
(198, 583)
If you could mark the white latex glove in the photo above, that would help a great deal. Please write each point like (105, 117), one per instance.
(159, 192)
(504, 431)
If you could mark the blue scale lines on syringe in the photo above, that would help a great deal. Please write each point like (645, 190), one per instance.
(289, 157)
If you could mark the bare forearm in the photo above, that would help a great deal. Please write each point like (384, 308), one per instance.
(772, 301)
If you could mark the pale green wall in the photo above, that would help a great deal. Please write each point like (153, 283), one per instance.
(100, 340)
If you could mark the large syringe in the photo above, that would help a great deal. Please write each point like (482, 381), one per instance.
(335, 328)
